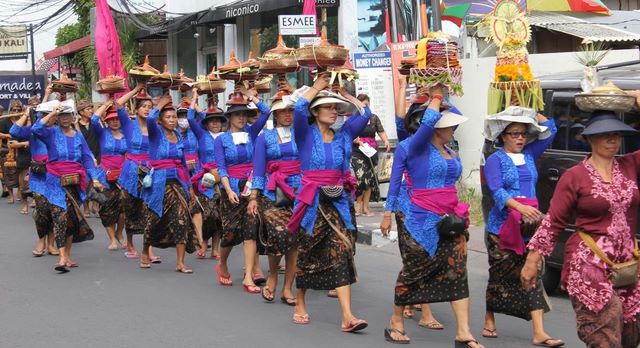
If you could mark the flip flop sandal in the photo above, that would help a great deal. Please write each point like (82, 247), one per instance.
(145, 264)
(72, 264)
(546, 343)
(301, 319)
(155, 259)
(60, 268)
(289, 301)
(113, 248)
(53, 253)
(224, 280)
(491, 333)
(37, 253)
(432, 325)
(258, 279)
(252, 289)
(184, 270)
(266, 290)
(355, 325)
(465, 344)
(388, 338)
(201, 255)
(133, 255)
(24, 212)
(332, 294)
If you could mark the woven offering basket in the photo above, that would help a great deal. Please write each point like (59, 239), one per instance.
(283, 64)
(429, 77)
(211, 86)
(322, 55)
(614, 102)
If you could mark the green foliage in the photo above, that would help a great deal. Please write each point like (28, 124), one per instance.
(474, 199)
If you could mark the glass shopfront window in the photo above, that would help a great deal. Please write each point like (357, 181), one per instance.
(186, 53)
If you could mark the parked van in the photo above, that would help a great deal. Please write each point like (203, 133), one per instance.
(568, 148)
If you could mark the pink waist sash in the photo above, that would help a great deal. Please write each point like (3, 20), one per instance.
(191, 157)
(139, 158)
(40, 158)
(61, 168)
(309, 185)
(510, 235)
(280, 171)
(110, 162)
(440, 201)
(170, 164)
(240, 171)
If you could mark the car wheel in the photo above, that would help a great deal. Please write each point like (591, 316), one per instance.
(550, 279)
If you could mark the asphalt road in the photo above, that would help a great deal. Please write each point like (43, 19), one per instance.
(109, 302)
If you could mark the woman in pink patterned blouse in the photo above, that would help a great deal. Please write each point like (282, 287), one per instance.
(602, 193)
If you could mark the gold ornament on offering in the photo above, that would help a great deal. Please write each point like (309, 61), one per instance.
(343, 73)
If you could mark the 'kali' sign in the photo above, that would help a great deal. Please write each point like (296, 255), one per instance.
(13, 39)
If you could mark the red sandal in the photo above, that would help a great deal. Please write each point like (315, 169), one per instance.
(224, 280)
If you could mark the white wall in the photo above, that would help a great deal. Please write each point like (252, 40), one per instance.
(189, 6)
(478, 72)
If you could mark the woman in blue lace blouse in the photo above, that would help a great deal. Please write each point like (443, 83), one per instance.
(168, 222)
(512, 177)
(206, 201)
(434, 265)
(135, 165)
(234, 153)
(322, 216)
(276, 176)
(70, 166)
(113, 147)
(21, 131)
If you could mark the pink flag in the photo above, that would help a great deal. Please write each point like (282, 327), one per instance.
(107, 42)
(309, 8)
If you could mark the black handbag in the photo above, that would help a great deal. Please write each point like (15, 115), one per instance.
(38, 167)
(451, 226)
(96, 196)
(282, 201)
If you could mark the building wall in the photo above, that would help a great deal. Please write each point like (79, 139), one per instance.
(478, 72)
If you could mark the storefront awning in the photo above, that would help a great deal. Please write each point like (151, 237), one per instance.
(247, 7)
(590, 29)
(71, 47)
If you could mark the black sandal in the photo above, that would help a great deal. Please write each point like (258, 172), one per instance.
(266, 288)
(388, 338)
(465, 344)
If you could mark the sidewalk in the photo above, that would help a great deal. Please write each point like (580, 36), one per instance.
(369, 230)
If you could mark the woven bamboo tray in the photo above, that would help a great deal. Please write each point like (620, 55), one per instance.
(614, 102)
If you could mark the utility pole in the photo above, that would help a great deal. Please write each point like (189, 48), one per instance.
(393, 22)
(436, 15)
(33, 62)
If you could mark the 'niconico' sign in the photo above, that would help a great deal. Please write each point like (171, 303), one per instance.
(242, 10)
(13, 39)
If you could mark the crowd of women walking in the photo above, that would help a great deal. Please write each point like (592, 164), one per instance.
(189, 176)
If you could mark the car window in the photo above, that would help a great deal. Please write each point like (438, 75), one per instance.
(570, 122)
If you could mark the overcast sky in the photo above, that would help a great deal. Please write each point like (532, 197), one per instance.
(45, 38)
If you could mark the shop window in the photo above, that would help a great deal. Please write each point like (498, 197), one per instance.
(186, 53)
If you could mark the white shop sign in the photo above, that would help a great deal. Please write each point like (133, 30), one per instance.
(297, 24)
(309, 40)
